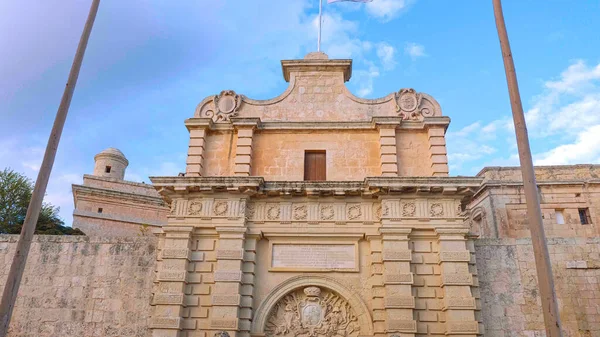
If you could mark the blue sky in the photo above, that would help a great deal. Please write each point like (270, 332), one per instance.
(149, 63)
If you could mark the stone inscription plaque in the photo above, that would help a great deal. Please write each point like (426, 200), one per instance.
(314, 256)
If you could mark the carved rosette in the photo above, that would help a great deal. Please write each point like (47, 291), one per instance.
(273, 212)
(436, 210)
(312, 312)
(354, 212)
(300, 212)
(225, 105)
(327, 212)
(220, 208)
(194, 208)
(409, 209)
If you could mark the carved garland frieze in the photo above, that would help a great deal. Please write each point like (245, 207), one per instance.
(354, 212)
(312, 313)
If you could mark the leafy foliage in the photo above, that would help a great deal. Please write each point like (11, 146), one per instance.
(15, 194)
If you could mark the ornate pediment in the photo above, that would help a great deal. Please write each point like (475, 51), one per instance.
(312, 312)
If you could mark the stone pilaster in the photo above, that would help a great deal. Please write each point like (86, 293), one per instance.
(459, 303)
(388, 150)
(170, 317)
(229, 279)
(245, 128)
(378, 288)
(198, 128)
(247, 287)
(398, 279)
(437, 150)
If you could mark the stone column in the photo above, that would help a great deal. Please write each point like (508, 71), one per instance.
(398, 279)
(243, 152)
(387, 145)
(229, 279)
(437, 150)
(169, 317)
(459, 304)
(198, 127)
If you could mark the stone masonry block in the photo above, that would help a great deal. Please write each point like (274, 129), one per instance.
(387, 132)
(436, 132)
(245, 133)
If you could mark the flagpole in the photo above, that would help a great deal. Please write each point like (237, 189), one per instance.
(11, 287)
(534, 213)
(320, 19)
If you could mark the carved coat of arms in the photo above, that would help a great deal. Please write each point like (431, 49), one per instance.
(312, 314)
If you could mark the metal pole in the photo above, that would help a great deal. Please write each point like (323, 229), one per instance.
(17, 267)
(320, 19)
(534, 213)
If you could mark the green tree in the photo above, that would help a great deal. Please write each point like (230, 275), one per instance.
(15, 194)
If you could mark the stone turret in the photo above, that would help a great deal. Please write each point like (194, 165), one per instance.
(110, 163)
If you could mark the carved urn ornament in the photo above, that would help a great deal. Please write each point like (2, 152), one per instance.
(226, 105)
(312, 313)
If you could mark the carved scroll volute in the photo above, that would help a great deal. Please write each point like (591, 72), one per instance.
(312, 313)
(223, 106)
(408, 102)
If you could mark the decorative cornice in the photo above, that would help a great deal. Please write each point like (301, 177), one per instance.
(81, 191)
(375, 123)
(320, 65)
(369, 187)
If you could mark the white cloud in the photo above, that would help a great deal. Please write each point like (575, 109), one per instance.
(586, 148)
(414, 50)
(386, 52)
(386, 10)
(365, 79)
(564, 121)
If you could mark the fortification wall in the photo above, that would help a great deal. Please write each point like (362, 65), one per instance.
(82, 286)
(510, 301)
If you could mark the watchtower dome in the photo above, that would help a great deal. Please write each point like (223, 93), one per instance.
(110, 163)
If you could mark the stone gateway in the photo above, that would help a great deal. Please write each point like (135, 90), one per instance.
(313, 214)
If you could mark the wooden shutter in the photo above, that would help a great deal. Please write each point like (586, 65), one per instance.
(314, 165)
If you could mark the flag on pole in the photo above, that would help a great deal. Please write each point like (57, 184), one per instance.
(332, 1)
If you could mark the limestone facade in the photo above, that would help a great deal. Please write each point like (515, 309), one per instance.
(387, 244)
(380, 246)
(108, 205)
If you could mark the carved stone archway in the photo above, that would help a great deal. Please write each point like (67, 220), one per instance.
(301, 282)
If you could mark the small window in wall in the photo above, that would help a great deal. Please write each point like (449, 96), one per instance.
(584, 216)
(560, 217)
(314, 165)
(100, 210)
(107, 169)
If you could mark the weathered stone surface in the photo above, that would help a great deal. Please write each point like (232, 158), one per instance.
(83, 286)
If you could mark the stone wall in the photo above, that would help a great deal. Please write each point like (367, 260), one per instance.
(82, 286)
(510, 300)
